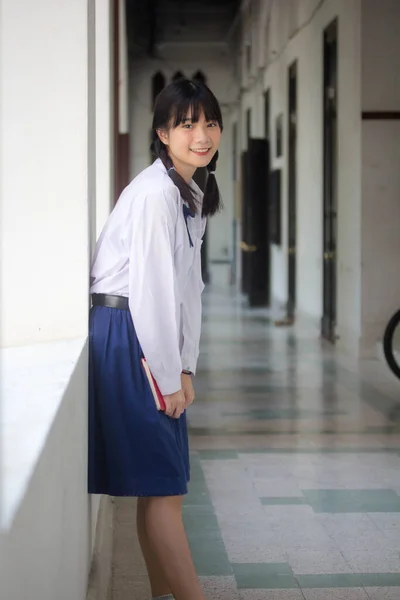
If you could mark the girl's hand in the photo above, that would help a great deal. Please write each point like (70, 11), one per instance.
(187, 388)
(175, 404)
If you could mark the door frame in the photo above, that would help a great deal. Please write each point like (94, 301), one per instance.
(267, 135)
(292, 105)
(330, 174)
(235, 215)
(245, 206)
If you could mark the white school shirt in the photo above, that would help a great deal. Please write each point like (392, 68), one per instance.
(144, 253)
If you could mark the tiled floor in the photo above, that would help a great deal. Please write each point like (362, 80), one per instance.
(295, 491)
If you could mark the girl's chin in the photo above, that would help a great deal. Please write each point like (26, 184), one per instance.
(201, 160)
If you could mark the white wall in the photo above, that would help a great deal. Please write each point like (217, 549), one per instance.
(104, 112)
(367, 152)
(380, 55)
(50, 169)
(368, 242)
(219, 78)
(123, 78)
(381, 172)
(220, 227)
(49, 542)
(44, 183)
(282, 47)
(380, 230)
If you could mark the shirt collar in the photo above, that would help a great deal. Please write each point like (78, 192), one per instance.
(160, 165)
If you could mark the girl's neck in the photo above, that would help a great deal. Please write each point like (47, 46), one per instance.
(185, 171)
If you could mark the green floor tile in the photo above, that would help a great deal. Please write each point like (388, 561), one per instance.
(218, 454)
(321, 450)
(283, 501)
(201, 526)
(198, 493)
(381, 580)
(233, 429)
(264, 576)
(210, 558)
(280, 576)
(341, 501)
(340, 580)
(202, 530)
(265, 568)
(271, 414)
(227, 454)
(349, 580)
(352, 501)
(196, 498)
(384, 429)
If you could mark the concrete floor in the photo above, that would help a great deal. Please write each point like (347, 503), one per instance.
(295, 488)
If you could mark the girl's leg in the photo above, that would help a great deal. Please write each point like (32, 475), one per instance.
(158, 583)
(165, 531)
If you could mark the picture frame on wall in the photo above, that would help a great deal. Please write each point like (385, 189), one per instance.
(279, 135)
(275, 207)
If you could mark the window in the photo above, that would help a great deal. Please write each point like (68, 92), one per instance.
(177, 75)
(158, 84)
(200, 77)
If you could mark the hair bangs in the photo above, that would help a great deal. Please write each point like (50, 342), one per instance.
(192, 105)
(177, 102)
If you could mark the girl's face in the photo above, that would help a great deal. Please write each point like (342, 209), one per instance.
(191, 145)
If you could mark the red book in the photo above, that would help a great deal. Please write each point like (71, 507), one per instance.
(157, 395)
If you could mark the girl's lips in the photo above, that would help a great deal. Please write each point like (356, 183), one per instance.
(202, 152)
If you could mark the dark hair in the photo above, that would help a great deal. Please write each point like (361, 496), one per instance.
(171, 108)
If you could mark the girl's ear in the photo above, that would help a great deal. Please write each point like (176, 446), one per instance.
(162, 134)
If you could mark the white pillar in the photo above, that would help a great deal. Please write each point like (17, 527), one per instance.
(380, 170)
(104, 114)
(123, 71)
(45, 173)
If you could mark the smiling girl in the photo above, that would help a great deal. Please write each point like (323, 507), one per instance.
(146, 293)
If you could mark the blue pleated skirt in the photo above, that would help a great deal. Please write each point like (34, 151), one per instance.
(134, 450)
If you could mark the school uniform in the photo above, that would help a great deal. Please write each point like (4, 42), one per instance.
(148, 257)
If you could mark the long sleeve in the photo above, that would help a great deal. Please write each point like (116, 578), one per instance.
(152, 286)
(192, 311)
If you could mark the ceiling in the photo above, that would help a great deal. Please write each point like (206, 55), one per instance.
(154, 24)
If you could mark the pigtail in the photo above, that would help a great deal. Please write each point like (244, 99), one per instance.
(171, 109)
(188, 194)
(212, 202)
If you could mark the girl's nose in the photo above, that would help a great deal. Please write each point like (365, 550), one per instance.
(202, 134)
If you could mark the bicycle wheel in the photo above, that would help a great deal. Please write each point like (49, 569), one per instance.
(391, 344)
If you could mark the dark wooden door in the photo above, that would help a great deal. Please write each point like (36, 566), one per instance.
(245, 223)
(267, 274)
(200, 177)
(234, 222)
(267, 114)
(329, 182)
(255, 242)
(292, 188)
(120, 140)
(248, 124)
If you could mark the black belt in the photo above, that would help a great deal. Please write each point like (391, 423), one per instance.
(110, 301)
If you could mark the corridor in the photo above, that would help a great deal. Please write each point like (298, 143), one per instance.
(295, 490)
(295, 444)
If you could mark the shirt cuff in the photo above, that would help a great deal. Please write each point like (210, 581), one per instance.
(169, 384)
(189, 364)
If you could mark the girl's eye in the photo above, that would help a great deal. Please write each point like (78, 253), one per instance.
(187, 126)
(213, 124)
